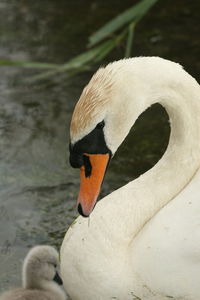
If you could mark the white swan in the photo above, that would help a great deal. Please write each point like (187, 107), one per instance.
(39, 276)
(118, 255)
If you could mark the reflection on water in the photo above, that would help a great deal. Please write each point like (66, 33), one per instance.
(37, 186)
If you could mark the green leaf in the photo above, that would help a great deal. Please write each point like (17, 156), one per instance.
(83, 58)
(81, 62)
(6, 62)
(111, 44)
(108, 48)
(77, 63)
(133, 14)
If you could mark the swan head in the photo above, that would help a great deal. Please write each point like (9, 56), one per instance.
(99, 124)
(40, 265)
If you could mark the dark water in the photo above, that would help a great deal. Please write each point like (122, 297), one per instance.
(38, 188)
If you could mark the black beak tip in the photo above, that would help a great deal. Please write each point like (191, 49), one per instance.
(57, 279)
(80, 211)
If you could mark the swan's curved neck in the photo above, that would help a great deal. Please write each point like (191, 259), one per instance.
(139, 200)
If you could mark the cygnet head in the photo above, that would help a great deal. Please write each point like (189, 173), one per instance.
(40, 267)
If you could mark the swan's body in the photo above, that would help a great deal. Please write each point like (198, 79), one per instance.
(119, 255)
(39, 277)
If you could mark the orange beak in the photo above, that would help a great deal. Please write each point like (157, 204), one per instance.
(90, 185)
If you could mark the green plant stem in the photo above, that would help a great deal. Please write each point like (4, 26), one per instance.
(129, 43)
(133, 14)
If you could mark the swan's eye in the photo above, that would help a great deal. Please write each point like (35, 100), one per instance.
(55, 265)
(100, 125)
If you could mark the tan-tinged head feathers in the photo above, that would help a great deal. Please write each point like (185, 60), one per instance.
(90, 105)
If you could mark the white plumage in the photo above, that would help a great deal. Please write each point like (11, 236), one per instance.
(143, 241)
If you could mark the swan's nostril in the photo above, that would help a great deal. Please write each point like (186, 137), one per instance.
(81, 211)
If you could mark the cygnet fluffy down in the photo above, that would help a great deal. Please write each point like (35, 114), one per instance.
(40, 280)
